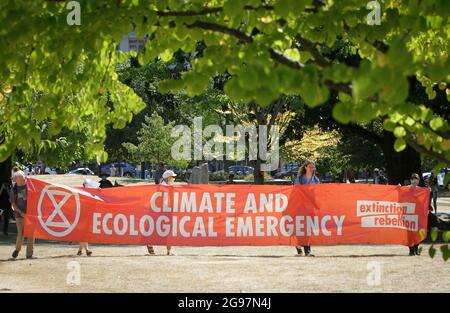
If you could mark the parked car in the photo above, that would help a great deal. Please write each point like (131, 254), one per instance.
(81, 171)
(240, 169)
(128, 169)
(50, 171)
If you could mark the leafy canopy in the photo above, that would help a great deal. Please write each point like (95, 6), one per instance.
(270, 48)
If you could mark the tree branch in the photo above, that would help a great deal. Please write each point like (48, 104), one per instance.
(421, 149)
(311, 48)
(316, 5)
(280, 58)
(381, 46)
(207, 11)
(275, 55)
(340, 87)
(221, 29)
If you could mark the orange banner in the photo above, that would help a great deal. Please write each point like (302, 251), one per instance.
(228, 215)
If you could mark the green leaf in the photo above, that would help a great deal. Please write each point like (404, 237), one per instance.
(171, 85)
(248, 78)
(399, 132)
(445, 252)
(432, 252)
(399, 55)
(422, 233)
(434, 234)
(446, 235)
(389, 125)
(436, 123)
(232, 7)
(399, 144)
(282, 8)
(292, 54)
(166, 55)
(364, 87)
(342, 112)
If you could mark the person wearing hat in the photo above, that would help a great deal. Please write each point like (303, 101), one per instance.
(168, 178)
(105, 182)
(18, 200)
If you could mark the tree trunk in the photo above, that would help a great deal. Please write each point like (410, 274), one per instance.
(399, 165)
(258, 176)
(5, 171)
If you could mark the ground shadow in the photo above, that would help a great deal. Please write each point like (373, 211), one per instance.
(228, 256)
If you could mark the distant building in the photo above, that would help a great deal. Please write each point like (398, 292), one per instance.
(131, 42)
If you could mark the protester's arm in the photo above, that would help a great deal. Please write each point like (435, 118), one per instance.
(13, 201)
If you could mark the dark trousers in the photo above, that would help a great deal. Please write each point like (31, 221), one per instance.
(414, 249)
(306, 248)
(433, 200)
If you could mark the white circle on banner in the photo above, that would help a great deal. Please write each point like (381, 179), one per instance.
(64, 224)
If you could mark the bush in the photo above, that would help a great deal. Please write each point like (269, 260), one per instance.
(222, 176)
(218, 176)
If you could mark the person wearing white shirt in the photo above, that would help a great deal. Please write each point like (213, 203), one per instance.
(168, 178)
(88, 183)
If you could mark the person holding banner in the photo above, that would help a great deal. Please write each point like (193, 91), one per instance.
(168, 178)
(18, 201)
(306, 176)
(88, 183)
(415, 182)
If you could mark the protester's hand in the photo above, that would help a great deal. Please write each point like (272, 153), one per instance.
(17, 210)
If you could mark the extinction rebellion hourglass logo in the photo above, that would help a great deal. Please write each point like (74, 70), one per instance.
(53, 218)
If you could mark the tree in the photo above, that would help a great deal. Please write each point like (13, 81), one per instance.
(72, 68)
(269, 47)
(154, 142)
(270, 50)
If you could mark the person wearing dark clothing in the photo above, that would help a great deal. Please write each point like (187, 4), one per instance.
(5, 205)
(158, 173)
(105, 182)
(415, 182)
(230, 179)
(433, 185)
